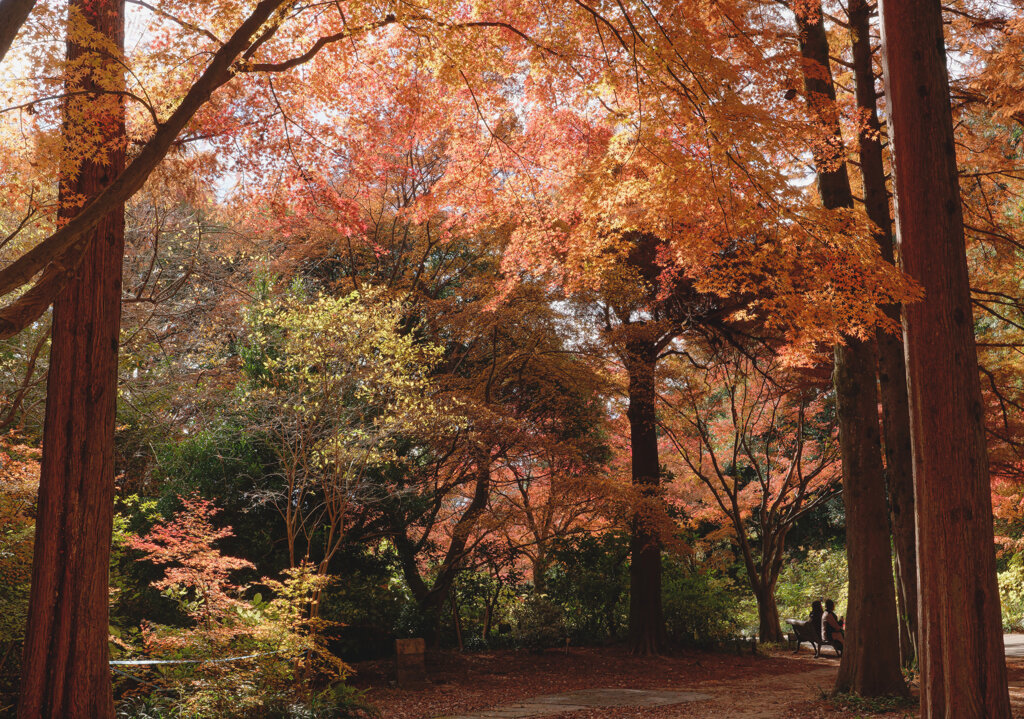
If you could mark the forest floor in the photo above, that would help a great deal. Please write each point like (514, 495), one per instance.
(516, 685)
(719, 685)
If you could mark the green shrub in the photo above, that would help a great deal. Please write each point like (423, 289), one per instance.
(589, 579)
(540, 623)
(371, 607)
(699, 604)
(1011, 594)
(19, 480)
(485, 602)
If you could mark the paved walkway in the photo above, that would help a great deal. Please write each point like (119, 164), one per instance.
(585, 699)
(1014, 644)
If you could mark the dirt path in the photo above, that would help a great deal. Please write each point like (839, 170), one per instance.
(585, 700)
(778, 686)
(766, 697)
(501, 685)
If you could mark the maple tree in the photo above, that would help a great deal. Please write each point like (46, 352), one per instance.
(520, 394)
(755, 450)
(278, 636)
(197, 573)
(551, 497)
(378, 225)
(518, 239)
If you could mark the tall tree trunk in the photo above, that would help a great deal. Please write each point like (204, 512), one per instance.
(65, 671)
(871, 656)
(646, 619)
(960, 641)
(871, 660)
(892, 370)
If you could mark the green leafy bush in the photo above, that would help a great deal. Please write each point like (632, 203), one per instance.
(540, 623)
(811, 575)
(19, 480)
(589, 579)
(699, 604)
(371, 607)
(1011, 594)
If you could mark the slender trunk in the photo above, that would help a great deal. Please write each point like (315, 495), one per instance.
(768, 629)
(65, 671)
(485, 630)
(646, 619)
(960, 641)
(908, 640)
(14, 415)
(892, 370)
(456, 619)
(431, 598)
(871, 662)
(540, 571)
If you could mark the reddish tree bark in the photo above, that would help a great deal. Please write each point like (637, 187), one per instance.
(871, 659)
(960, 642)
(768, 628)
(53, 258)
(646, 618)
(892, 370)
(65, 670)
(13, 14)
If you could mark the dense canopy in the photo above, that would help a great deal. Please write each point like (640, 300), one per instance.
(507, 325)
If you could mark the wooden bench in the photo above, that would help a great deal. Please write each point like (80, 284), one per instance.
(805, 631)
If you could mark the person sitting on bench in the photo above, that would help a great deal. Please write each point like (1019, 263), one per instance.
(815, 618)
(831, 627)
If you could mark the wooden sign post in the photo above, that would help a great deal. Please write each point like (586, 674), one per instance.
(411, 662)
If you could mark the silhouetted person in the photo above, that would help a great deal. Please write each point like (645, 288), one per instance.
(831, 627)
(815, 618)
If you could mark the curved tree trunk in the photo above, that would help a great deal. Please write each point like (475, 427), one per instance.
(960, 641)
(431, 598)
(65, 671)
(646, 619)
(871, 662)
(892, 370)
